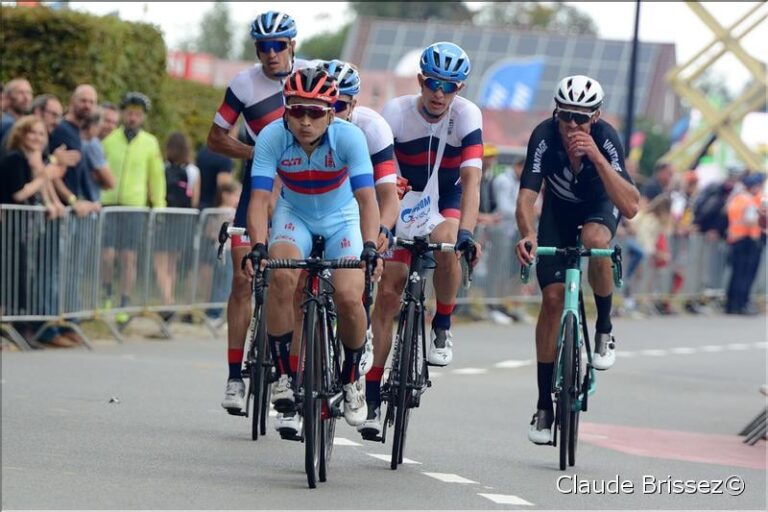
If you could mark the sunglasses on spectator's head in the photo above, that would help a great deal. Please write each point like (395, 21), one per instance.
(267, 46)
(313, 111)
(340, 106)
(433, 84)
(570, 115)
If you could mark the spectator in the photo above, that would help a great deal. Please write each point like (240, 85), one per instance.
(17, 96)
(652, 226)
(182, 180)
(218, 277)
(25, 179)
(744, 238)
(97, 169)
(75, 188)
(134, 157)
(659, 183)
(110, 118)
(48, 108)
(215, 171)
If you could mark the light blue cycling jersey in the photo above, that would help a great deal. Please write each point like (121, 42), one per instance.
(318, 185)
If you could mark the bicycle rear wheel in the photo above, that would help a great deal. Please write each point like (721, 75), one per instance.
(311, 405)
(577, 391)
(258, 377)
(402, 393)
(565, 395)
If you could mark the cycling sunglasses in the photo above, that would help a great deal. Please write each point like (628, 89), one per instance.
(313, 111)
(340, 106)
(433, 84)
(267, 46)
(569, 115)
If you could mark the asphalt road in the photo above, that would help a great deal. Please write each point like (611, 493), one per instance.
(668, 411)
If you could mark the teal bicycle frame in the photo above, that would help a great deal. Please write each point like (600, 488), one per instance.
(572, 305)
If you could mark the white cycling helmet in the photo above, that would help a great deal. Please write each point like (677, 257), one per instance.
(579, 91)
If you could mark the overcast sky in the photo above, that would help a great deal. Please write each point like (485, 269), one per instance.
(659, 22)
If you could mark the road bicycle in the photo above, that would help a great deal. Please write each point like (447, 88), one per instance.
(408, 377)
(572, 380)
(318, 390)
(258, 367)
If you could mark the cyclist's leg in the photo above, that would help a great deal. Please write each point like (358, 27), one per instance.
(447, 276)
(600, 223)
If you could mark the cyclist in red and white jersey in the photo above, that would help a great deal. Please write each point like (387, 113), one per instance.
(257, 94)
(418, 122)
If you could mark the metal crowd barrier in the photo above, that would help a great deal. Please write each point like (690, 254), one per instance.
(128, 262)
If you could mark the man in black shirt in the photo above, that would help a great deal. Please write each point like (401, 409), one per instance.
(215, 170)
(581, 159)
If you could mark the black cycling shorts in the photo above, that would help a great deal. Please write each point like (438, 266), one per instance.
(558, 227)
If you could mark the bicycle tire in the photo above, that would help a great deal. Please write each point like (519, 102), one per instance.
(565, 396)
(312, 414)
(329, 423)
(403, 393)
(577, 392)
(258, 380)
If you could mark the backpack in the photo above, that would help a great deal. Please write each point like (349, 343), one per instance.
(176, 182)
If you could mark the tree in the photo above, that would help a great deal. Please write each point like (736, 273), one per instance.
(325, 46)
(553, 17)
(449, 11)
(656, 145)
(215, 36)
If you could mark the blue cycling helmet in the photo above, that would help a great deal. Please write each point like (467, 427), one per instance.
(347, 77)
(271, 25)
(446, 61)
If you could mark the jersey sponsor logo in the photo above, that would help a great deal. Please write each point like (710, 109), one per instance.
(345, 243)
(289, 226)
(614, 154)
(291, 161)
(329, 159)
(538, 155)
(421, 209)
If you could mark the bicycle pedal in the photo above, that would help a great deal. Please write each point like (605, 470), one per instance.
(289, 435)
(237, 412)
(376, 438)
(284, 406)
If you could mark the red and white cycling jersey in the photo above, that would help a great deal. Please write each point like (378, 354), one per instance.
(416, 144)
(378, 135)
(257, 97)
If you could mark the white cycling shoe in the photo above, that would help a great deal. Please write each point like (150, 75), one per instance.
(440, 350)
(289, 425)
(234, 396)
(355, 408)
(605, 351)
(540, 431)
(366, 360)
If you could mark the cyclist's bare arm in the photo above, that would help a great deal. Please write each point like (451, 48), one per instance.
(276, 187)
(389, 204)
(526, 219)
(369, 213)
(470, 197)
(219, 141)
(258, 215)
(623, 194)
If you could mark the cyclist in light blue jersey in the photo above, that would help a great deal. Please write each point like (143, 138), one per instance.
(328, 190)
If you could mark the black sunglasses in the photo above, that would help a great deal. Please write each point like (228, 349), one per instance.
(569, 115)
(340, 106)
(266, 46)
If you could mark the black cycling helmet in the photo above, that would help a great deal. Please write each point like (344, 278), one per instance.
(136, 98)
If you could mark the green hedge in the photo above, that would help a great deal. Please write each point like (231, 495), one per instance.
(57, 50)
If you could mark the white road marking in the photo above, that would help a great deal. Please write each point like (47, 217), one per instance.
(760, 344)
(682, 350)
(711, 348)
(343, 441)
(656, 352)
(387, 458)
(514, 363)
(450, 478)
(469, 371)
(435, 374)
(737, 346)
(625, 353)
(505, 499)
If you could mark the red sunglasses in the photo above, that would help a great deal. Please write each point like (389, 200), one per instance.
(313, 111)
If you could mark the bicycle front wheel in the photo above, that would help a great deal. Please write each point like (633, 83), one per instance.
(311, 404)
(406, 333)
(259, 381)
(565, 395)
(330, 349)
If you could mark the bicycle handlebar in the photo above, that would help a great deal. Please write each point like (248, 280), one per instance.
(314, 264)
(614, 254)
(422, 245)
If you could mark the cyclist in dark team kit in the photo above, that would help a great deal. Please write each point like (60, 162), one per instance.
(581, 159)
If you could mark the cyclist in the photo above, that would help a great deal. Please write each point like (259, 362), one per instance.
(418, 122)
(327, 189)
(257, 94)
(582, 160)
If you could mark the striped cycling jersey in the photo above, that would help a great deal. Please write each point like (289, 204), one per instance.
(378, 135)
(318, 185)
(416, 141)
(258, 98)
